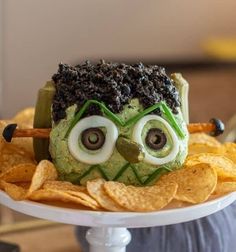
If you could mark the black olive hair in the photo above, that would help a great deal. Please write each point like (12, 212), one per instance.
(115, 84)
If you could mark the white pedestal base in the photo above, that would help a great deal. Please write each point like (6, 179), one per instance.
(109, 235)
(108, 239)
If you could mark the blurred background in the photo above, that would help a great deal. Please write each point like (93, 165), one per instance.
(37, 35)
(197, 38)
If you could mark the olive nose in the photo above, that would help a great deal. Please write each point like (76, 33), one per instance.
(130, 150)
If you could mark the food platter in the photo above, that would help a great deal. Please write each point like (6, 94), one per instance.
(108, 232)
(118, 158)
(117, 219)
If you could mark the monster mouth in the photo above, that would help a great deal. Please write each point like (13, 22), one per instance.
(75, 178)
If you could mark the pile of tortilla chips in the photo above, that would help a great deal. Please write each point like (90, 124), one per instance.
(209, 171)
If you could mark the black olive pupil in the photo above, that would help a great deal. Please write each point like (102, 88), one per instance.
(155, 139)
(93, 138)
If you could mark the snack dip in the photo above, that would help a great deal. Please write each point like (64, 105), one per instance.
(112, 136)
(115, 121)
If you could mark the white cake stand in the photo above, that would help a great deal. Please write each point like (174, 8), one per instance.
(108, 231)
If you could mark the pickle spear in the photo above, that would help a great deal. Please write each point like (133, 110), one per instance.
(183, 87)
(130, 150)
(42, 119)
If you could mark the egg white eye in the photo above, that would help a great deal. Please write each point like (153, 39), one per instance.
(159, 141)
(92, 140)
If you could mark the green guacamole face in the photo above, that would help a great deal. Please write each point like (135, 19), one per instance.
(89, 148)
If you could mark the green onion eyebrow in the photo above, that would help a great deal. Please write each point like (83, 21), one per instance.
(161, 105)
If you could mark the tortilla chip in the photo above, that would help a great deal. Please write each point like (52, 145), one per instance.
(203, 148)
(45, 170)
(96, 190)
(24, 144)
(12, 155)
(225, 168)
(84, 196)
(19, 173)
(224, 187)
(230, 151)
(25, 118)
(202, 138)
(56, 195)
(195, 183)
(142, 199)
(63, 185)
(14, 191)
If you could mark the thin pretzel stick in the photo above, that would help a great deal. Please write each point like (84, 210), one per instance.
(36, 133)
(44, 133)
(201, 127)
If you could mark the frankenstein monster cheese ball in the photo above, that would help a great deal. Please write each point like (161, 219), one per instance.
(115, 121)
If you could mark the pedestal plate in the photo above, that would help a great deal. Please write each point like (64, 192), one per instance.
(108, 232)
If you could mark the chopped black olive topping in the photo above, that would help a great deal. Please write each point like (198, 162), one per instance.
(93, 138)
(155, 139)
(115, 84)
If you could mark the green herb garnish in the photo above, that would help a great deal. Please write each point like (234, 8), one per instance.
(162, 105)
